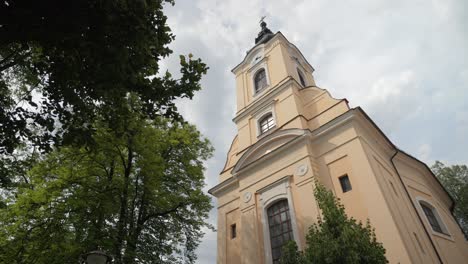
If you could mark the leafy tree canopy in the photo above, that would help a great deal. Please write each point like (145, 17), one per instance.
(137, 194)
(455, 180)
(335, 238)
(64, 63)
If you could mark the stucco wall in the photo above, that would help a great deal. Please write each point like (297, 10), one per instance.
(452, 248)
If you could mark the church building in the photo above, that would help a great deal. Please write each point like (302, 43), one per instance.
(291, 132)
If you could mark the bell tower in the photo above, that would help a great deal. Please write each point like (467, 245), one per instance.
(290, 132)
(271, 68)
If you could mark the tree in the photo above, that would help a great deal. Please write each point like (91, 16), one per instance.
(137, 193)
(63, 64)
(336, 238)
(455, 180)
(290, 254)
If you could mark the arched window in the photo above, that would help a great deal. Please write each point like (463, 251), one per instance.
(266, 123)
(260, 80)
(301, 78)
(433, 218)
(279, 223)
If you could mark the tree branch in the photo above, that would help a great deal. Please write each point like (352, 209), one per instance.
(159, 214)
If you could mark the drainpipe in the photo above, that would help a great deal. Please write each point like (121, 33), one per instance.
(414, 207)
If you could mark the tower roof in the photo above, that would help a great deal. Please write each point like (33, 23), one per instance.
(264, 35)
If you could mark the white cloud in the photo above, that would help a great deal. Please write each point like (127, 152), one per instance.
(424, 153)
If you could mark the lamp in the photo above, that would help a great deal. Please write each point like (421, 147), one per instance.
(96, 257)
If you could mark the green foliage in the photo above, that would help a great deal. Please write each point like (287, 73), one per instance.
(455, 180)
(290, 254)
(336, 238)
(88, 158)
(137, 194)
(68, 63)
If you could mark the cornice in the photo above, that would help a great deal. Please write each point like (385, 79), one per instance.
(268, 45)
(295, 135)
(240, 171)
(264, 100)
(223, 186)
(424, 170)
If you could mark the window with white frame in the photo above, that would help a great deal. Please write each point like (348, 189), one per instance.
(260, 80)
(280, 227)
(433, 218)
(266, 123)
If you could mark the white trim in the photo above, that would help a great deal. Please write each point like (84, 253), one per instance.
(269, 195)
(293, 133)
(219, 188)
(249, 59)
(270, 108)
(257, 56)
(265, 99)
(445, 232)
(278, 37)
(259, 125)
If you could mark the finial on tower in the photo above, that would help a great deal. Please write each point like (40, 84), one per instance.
(265, 33)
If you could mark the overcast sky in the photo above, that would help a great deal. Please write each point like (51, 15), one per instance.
(405, 62)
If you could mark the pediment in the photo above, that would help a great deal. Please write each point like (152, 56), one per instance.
(266, 145)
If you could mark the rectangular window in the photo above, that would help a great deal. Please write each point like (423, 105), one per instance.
(280, 228)
(266, 123)
(233, 231)
(345, 183)
(432, 218)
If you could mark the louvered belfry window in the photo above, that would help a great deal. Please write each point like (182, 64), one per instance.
(279, 221)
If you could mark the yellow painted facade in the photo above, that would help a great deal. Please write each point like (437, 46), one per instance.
(318, 136)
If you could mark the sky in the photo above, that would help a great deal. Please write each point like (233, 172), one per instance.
(405, 62)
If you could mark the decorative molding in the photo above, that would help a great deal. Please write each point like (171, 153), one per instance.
(242, 163)
(422, 168)
(277, 39)
(269, 108)
(247, 197)
(248, 208)
(258, 56)
(305, 181)
(216, 190)
(260, 65)
(270, 194)
(446, 233)
(270, 173)
(301, 170)
(265, 98)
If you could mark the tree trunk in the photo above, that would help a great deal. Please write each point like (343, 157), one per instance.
(121, 224)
